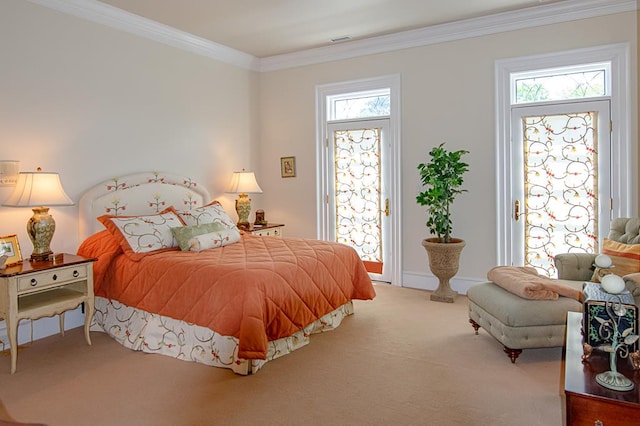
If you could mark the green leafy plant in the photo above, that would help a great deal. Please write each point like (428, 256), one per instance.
(442, 178)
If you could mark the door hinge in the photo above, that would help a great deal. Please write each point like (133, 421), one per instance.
(610, 126)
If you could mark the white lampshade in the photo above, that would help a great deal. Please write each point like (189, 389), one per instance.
(244, 183)
(38, 189)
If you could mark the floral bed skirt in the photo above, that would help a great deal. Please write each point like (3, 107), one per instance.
(152, 333)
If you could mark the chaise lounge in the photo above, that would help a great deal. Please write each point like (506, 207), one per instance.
(519, 323)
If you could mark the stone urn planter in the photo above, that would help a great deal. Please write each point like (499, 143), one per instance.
(444, 260)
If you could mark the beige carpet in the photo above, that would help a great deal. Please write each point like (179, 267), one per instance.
(400, 360)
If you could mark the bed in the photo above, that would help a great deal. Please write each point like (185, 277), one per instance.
(175, 276)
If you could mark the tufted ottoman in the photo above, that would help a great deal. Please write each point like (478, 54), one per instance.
(520, 323)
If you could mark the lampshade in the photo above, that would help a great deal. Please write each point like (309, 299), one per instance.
(39, 190)
(244, 183)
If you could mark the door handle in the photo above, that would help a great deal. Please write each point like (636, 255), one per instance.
(517, 210)
(386, 207)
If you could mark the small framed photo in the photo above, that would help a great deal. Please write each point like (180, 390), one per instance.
(288, 167)
(9, 246)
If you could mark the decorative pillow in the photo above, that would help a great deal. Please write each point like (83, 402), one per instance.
(632, 282)
(141, 235)
(625, 258)
(183, 234)
(211, 213)
(214, 239)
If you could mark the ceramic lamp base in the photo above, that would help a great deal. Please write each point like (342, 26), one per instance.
(243, 208)
(40, 228)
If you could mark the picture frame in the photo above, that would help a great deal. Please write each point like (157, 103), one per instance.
(288, 167)
(9, 245)
(9, 171)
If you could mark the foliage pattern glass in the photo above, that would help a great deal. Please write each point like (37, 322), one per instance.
(560, 86)
(561, 187)
(358, 191)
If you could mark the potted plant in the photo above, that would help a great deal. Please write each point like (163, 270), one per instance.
(442, 178)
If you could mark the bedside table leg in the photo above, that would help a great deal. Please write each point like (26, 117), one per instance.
(61, 318)
(88, 316)
(12, 330)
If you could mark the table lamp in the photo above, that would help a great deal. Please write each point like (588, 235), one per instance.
(39, 190)
(243, 183)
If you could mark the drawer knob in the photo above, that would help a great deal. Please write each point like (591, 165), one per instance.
(33, 282)
(76, 274)
(55, 277)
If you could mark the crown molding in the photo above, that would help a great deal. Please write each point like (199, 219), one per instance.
(570, 10)
(114, 17)
(545, 14)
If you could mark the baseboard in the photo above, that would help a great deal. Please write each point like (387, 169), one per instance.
(42, 327)
(424, 281)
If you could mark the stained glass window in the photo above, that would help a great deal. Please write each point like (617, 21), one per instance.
(553, 85)
(358, 191)
(561, 187)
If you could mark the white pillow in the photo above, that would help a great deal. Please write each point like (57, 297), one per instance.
(214, 239)
(211, 213)
(143, 234)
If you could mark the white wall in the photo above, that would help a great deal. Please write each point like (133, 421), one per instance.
(92, 102)
(447, 95)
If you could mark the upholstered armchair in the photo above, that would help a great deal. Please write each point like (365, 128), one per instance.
(579, 266)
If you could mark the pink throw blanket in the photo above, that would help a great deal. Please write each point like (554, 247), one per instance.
(525, 281)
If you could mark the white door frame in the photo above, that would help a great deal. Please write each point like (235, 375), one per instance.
(323, 178)
(603, 109)
(624, 153)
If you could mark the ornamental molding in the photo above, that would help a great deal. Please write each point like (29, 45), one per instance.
(544, 14)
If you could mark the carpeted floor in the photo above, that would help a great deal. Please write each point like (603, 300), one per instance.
(400, 360)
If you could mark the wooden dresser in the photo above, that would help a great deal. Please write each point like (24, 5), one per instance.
(588, 403)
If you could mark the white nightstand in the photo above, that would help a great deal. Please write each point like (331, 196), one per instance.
(270, 230)
(42, 289)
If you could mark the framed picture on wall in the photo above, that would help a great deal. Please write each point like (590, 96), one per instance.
(9, 246)
(288, 167)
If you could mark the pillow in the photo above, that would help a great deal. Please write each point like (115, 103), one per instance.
(632, 282)
(211, 213)
(214, 239)
(183, 234)
(141, 235)
(625, 258)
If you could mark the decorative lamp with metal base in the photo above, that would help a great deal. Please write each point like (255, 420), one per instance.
(39, 190)
(244, 183)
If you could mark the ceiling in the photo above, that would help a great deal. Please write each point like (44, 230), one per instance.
(264, 28)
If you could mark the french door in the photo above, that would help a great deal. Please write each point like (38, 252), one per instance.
(358, 200)
(560, 180)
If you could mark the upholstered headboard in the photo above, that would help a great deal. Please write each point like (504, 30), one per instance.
(138, 194)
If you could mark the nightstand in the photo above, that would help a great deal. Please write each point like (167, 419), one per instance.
(32, 290)
(269, 230)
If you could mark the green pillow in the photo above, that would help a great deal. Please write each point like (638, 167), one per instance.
(183, 234)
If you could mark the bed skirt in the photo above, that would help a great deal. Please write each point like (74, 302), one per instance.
(152, 333)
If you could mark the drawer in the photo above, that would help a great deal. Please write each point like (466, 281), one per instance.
(271, 232)
(51, 277)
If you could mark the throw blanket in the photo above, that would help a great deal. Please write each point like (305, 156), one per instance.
(525, 282)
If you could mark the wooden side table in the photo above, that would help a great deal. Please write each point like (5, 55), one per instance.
(588, 403)
(269, 230)
(32, 290)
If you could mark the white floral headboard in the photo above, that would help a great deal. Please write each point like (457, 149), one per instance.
(138, 194)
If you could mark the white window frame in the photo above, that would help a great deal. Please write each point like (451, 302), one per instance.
(624, 191)
(322, 178)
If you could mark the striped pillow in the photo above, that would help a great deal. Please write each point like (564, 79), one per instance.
(625, 257)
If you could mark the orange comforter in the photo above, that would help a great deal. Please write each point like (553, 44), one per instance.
(257, 290)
